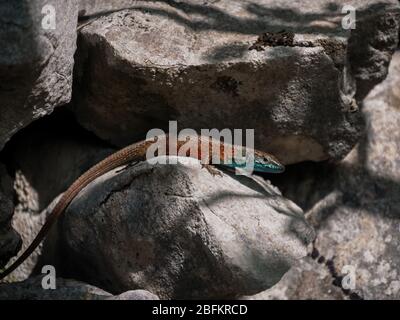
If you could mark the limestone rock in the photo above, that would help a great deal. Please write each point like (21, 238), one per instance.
(10, 241)
(372, 44)
(354, 209)
(179, 232)
(135, 295)
(93, 8)
(190, 61)
(307, 280)
(26, 221)
(66, 289)
(35, 63)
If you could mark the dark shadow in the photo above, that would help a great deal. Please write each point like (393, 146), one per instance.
(308, 183)
(47, 153)
(227, 52)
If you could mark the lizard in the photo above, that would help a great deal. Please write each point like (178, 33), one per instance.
(263, 162)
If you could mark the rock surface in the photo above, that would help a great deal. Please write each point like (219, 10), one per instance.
(90, 8)
(35, 63)
(176, 230)
(10, 241)
(190, 62)
(180, 233)
(354, 208)
(372, 44)
(135, 295)
(26, 221)
(51, 153)
(66, 289)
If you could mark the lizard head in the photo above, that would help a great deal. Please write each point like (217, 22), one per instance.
(264, 162)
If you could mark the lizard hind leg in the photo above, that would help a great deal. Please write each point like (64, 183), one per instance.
(129, 165)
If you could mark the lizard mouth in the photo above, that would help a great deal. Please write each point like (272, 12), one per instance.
(265, 167)
(269, 167)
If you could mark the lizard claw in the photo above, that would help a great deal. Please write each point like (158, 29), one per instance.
(212, 170)
(129, 165)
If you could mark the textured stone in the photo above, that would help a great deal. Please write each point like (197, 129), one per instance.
(304, 281)
(66, 289)
(190, 62)
(35, 64)
(372, 44)
(26, 221)
(135, 295)
(89, 8)
(354, 208)
(10, 241)
(180, 233)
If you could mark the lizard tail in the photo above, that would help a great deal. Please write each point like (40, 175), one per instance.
(43, 231)
(113, 161)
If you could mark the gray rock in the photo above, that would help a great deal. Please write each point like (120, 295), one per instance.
(390, 91)
(10, 242)
(368, 206)
(372, 44)
(89, 8)
(178, 232)
(35, 64)
(190, 62)
(66, 289)
(355, 209)
(307, 280)
(27, 221)
(135, 295)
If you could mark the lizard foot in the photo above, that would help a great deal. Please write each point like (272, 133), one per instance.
(129, 165)
(212, 170)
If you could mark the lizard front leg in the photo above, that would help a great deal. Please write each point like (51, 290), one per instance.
(212, 170)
